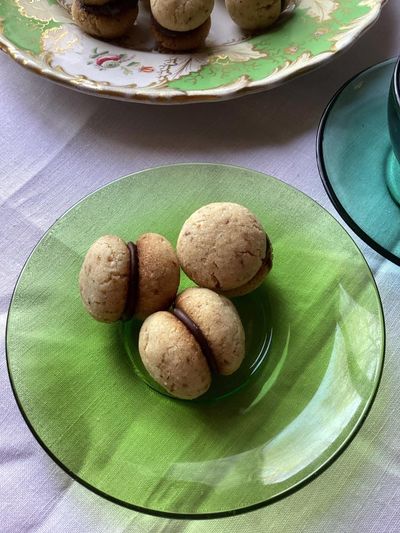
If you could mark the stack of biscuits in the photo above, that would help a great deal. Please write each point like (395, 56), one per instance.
(107, 19)
(255, 15)
(177, 25)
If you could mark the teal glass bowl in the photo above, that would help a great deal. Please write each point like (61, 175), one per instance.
(357, 164)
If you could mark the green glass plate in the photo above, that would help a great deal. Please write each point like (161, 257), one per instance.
(40, 35)
(356, 160)
(79, 393)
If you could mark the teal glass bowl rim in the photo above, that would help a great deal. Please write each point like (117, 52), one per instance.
(394, 102)
(323, 171)
(214, 515)
(396, 82)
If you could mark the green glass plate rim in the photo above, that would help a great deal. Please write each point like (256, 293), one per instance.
(235, 512)
(325, 175)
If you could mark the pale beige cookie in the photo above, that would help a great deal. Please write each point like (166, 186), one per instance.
(181, 15)
(107, 21)
(220, 324)
(255, 282)
(182, 349)
(180, 41)
(172, 356)
(121, 281)
(254, 14)
(104, 277)
(158, 274)
(222, 246)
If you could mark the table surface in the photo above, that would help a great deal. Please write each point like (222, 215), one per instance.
(59, 145)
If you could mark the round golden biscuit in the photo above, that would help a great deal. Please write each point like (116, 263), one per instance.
(172, 356)
(201, 337)
(159, 274)
(104, 278)
(181, 15)
(257, 280)
(121, 281)
(254, 14)
(222, 246)
(107, 21)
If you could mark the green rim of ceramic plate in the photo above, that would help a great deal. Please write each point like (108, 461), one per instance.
(81, 398)
(355, 159)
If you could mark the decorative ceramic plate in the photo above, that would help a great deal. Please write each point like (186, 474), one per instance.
(356, 160)
(41, 36)
(317, 321)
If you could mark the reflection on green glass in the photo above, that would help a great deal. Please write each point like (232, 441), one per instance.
(359, 160)
(318, 311)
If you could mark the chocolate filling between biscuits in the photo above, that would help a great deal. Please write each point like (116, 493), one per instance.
(267, 260)
(131, 299)
(110, 9)
(268, 254)
(199, 336)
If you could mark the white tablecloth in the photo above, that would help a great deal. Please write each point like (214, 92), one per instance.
(57, 145)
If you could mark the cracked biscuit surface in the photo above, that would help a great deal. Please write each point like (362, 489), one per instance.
(158, 274)
(222, 246)
(254, 14)
(104, 278)
(172, 352)
(181, 15)
(172, 356)
(219, 322)
(257, 279)
(107, 25)
(111, 291)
